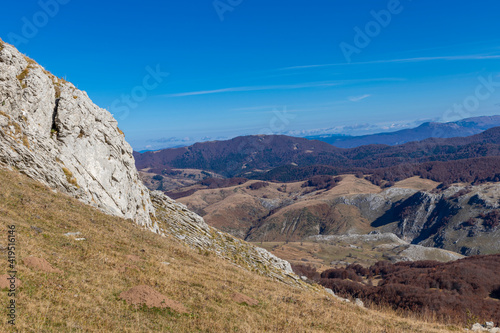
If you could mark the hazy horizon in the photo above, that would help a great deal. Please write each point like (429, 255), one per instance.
(174, 73)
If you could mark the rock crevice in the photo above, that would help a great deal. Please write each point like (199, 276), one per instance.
(54, 128)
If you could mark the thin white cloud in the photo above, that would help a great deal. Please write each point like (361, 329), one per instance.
(358, 98)
(388, 61)
(252, 108)
(172, 139)
(281, 87)
(465, 57)
(310, 66)
(256, 88)
(273, 108)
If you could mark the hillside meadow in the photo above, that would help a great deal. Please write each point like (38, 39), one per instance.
(94, 258)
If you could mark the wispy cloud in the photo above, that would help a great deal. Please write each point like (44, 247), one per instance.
(463, 57)
(281, 87)
(310, 66)
(359, 128)
(172, 139)
(402, 60)
(358, 98)
(253, 108)
(256, 88)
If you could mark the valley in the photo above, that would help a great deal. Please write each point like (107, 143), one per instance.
(82, 287)
(322, 253)
(461, 218)
(267, 213)
(336, 214)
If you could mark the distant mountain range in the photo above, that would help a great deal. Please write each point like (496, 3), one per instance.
(239, 155)
(298, 158)
(461, 128)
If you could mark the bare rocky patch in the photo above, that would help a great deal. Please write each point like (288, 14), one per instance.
(133, 258)
(145, 295)
(40, 264)
(244, 299)
(5, 283)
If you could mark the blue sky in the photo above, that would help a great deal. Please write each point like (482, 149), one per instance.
(250, 66)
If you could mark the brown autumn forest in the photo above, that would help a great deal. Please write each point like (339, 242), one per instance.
(465, 290)
(464, 159)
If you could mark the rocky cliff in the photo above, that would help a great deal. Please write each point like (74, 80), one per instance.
(54, 133)
(462, 218)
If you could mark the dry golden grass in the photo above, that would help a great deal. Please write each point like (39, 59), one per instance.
(238, 208)
(22, 76)
(350, 185)
(321, 255)
(69, 177)
(417, 183)
(304, 253)
(84, 297)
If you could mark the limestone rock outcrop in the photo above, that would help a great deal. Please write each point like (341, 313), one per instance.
(52, 132)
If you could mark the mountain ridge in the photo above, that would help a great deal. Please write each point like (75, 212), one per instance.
(83, 291)
(255, 156)
(459, 128)
(462, 218)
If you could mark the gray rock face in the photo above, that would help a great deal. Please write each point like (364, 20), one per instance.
(53, 132)
(394, 247)
(176, 220)
(488, 327)
(454, 219)
(374, 206)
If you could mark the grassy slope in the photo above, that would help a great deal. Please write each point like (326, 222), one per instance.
(320, 255)
(235, 209)
(303, 210)
(84, 298)
(336, 253)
